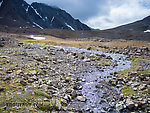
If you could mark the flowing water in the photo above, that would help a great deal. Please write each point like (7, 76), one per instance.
(98, 97)
(98, 93)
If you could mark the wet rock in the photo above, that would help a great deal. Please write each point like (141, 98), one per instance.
(78, 87)
(109, 57)
(89, 48)
(130, 104)
(99, 86)
(81, 98)
(86, 60)
(119, 106)
(62, 50)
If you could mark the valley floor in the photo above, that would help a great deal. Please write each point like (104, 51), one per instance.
(39, 76)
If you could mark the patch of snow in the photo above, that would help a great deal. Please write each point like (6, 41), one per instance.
(52, 19)
(15, 20)
(46, 17)
(1, 3)
(147, 31)
(36, 12)
(37, 25)
(27, 9)
(37, 37)
(70, 27)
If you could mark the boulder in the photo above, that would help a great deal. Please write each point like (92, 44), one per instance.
(81, 98)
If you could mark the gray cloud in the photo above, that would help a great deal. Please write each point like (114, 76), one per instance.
(82, 9)
(103, 14)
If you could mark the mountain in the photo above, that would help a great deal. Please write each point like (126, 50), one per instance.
(18, 13)
(139, 30)
(140, 26)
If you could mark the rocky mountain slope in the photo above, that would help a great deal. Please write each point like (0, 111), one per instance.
(141, 25)
(18, 13)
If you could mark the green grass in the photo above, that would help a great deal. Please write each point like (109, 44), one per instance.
(41, 93)
(126, 90)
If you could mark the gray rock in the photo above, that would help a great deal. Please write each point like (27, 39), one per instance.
(130, 104)
(142, 87)
(119, 106)
(81, 98)
(58, 104)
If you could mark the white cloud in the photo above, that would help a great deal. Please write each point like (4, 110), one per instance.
(123, 12)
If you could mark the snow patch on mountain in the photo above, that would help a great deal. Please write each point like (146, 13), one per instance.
(147, 31)
(52, 19)
(1, 3)
(37, 25)
(70, 27)
(36, 12)
(27, 9)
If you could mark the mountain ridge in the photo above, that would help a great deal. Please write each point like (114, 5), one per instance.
(18, 13)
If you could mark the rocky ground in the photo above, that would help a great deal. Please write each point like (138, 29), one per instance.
(38, 78)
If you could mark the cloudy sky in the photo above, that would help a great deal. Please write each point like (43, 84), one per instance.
(103, 14)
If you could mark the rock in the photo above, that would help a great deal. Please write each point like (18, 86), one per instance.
(64, 101)
(103, 55)
(130, 104)
(89, 48)
(135, 84)
(86, 60)
(67, 97)
(30, 80)
(99, 86)
(69, 90)
(78, 87)
(7, 78)
(109, 57)
(81, 98)
(34, 78)
(119, 106)
(2, 89)
(142, 87)
(149, 90)
(68, 79)
(58, 104)
(23, 82)
(74, 94)
(33, 72)
(18, 72)
(133, 73)
(61, 49)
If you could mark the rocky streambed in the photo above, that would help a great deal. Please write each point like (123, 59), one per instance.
(39, 78)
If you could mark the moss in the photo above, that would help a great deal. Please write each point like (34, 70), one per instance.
(126, 90)
(145, 71)
(45, 106)
(41, 93)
